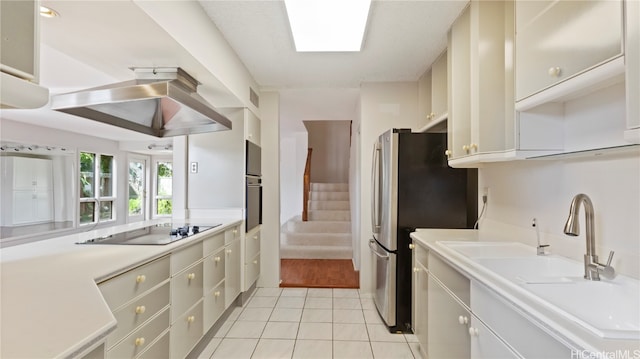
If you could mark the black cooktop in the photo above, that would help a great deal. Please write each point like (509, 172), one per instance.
(159, 234)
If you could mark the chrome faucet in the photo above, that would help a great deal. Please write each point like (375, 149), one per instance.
(592, 268)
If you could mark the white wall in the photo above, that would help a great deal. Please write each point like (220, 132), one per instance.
(293, 153)
(382, 106)
(522, 190)
(354, 191)
(270, 230)
(330, 141)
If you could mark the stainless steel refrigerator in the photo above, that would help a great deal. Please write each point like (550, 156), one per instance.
(412, 187)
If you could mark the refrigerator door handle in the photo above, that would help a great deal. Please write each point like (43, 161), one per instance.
(375, 167)
(375, 251)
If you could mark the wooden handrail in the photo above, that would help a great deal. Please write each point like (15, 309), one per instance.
(306, 186)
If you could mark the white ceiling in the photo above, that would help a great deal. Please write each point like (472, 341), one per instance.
(402, 39)
(93, 43)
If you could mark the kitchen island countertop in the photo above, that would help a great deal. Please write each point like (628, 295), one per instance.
(50, 304)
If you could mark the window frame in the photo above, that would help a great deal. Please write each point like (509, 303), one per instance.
(98, 198)
(154, 206)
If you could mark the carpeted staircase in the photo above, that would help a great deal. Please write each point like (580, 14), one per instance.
(327, 233)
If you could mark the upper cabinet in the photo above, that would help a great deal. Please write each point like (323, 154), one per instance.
(432, 94)
(632, 60)
(557, 40)
(19, 55)
(252, 127)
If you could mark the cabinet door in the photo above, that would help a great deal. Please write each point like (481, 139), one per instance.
(186, 290)
(485, 344)
(447, 332)
(252, 127)
(232, 272)
(439, 105)
(459, 122)
(424, 99)
(562, 40)
(43, 206)
(23, 207)
(421, 325)
(19, 41)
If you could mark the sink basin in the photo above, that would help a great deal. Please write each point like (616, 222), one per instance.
(608, 308)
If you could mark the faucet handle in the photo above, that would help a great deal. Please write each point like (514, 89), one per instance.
(607, 270)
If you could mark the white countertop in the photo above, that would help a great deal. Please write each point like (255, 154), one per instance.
(569, 331)
(50, 305)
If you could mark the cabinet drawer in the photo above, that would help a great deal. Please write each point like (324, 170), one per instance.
(422, 255)
(186, 290)
(139, 311)
(158, 350)
(185, 257)
(135, 343)
(186, 332)
(121, 289)
(452, 279)
(252, 246)
(231, 234)
(213, 306)
(251, 271)
(213, 243)
(213, 267)
(523, 335)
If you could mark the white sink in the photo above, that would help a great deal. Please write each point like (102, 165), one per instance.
(608, 308)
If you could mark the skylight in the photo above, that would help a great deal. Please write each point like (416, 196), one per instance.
(328, 25)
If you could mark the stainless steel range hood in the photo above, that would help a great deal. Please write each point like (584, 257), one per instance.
(160, 102)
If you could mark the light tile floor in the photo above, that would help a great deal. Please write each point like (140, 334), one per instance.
(308, 323)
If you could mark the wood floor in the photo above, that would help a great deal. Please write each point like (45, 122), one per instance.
(318, 273)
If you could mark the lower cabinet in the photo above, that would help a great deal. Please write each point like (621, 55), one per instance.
(465, 319)
(165, 306)
(420, 287)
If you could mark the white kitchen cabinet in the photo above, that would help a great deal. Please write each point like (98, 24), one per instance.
(252, 127)
(233, 265)
(632, 74)
(139, 300)
(485, 344)
(27, 189)
(186, 331)
(432, 95)
(186, 290)
(439, 105)
(529, 339)
(420, 295)
(214, 306)
(448, 331)
(557, 40)
(424, 99)
(251, 258)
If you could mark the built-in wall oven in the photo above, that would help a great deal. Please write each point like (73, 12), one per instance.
(253, 206)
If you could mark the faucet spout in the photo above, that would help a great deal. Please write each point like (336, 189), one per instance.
(592, 268)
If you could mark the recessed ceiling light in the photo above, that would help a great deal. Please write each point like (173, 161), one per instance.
(328, 25)
(47, 12)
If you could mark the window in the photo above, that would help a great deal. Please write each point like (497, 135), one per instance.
(97, 194)
(163, 192)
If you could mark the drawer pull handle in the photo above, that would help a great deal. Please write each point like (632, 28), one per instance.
(191, 276)
(255, 262)
(554, 71)
(412, 246)
(191, 319)
(447, 153)
(216, 293)
(139, 342)
(474, 147)
(140, 309)
(228, 251)
(141, 278)
(235, 231)
(216, 259)
(255, 237)
(416, 269)
(473, 331)
(463, 320)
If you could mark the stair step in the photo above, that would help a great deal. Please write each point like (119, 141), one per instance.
(315, 252)
(329, 196)
(317, 239)
(319, 227)
(339, 205)
(325, 215)
(330, 187)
